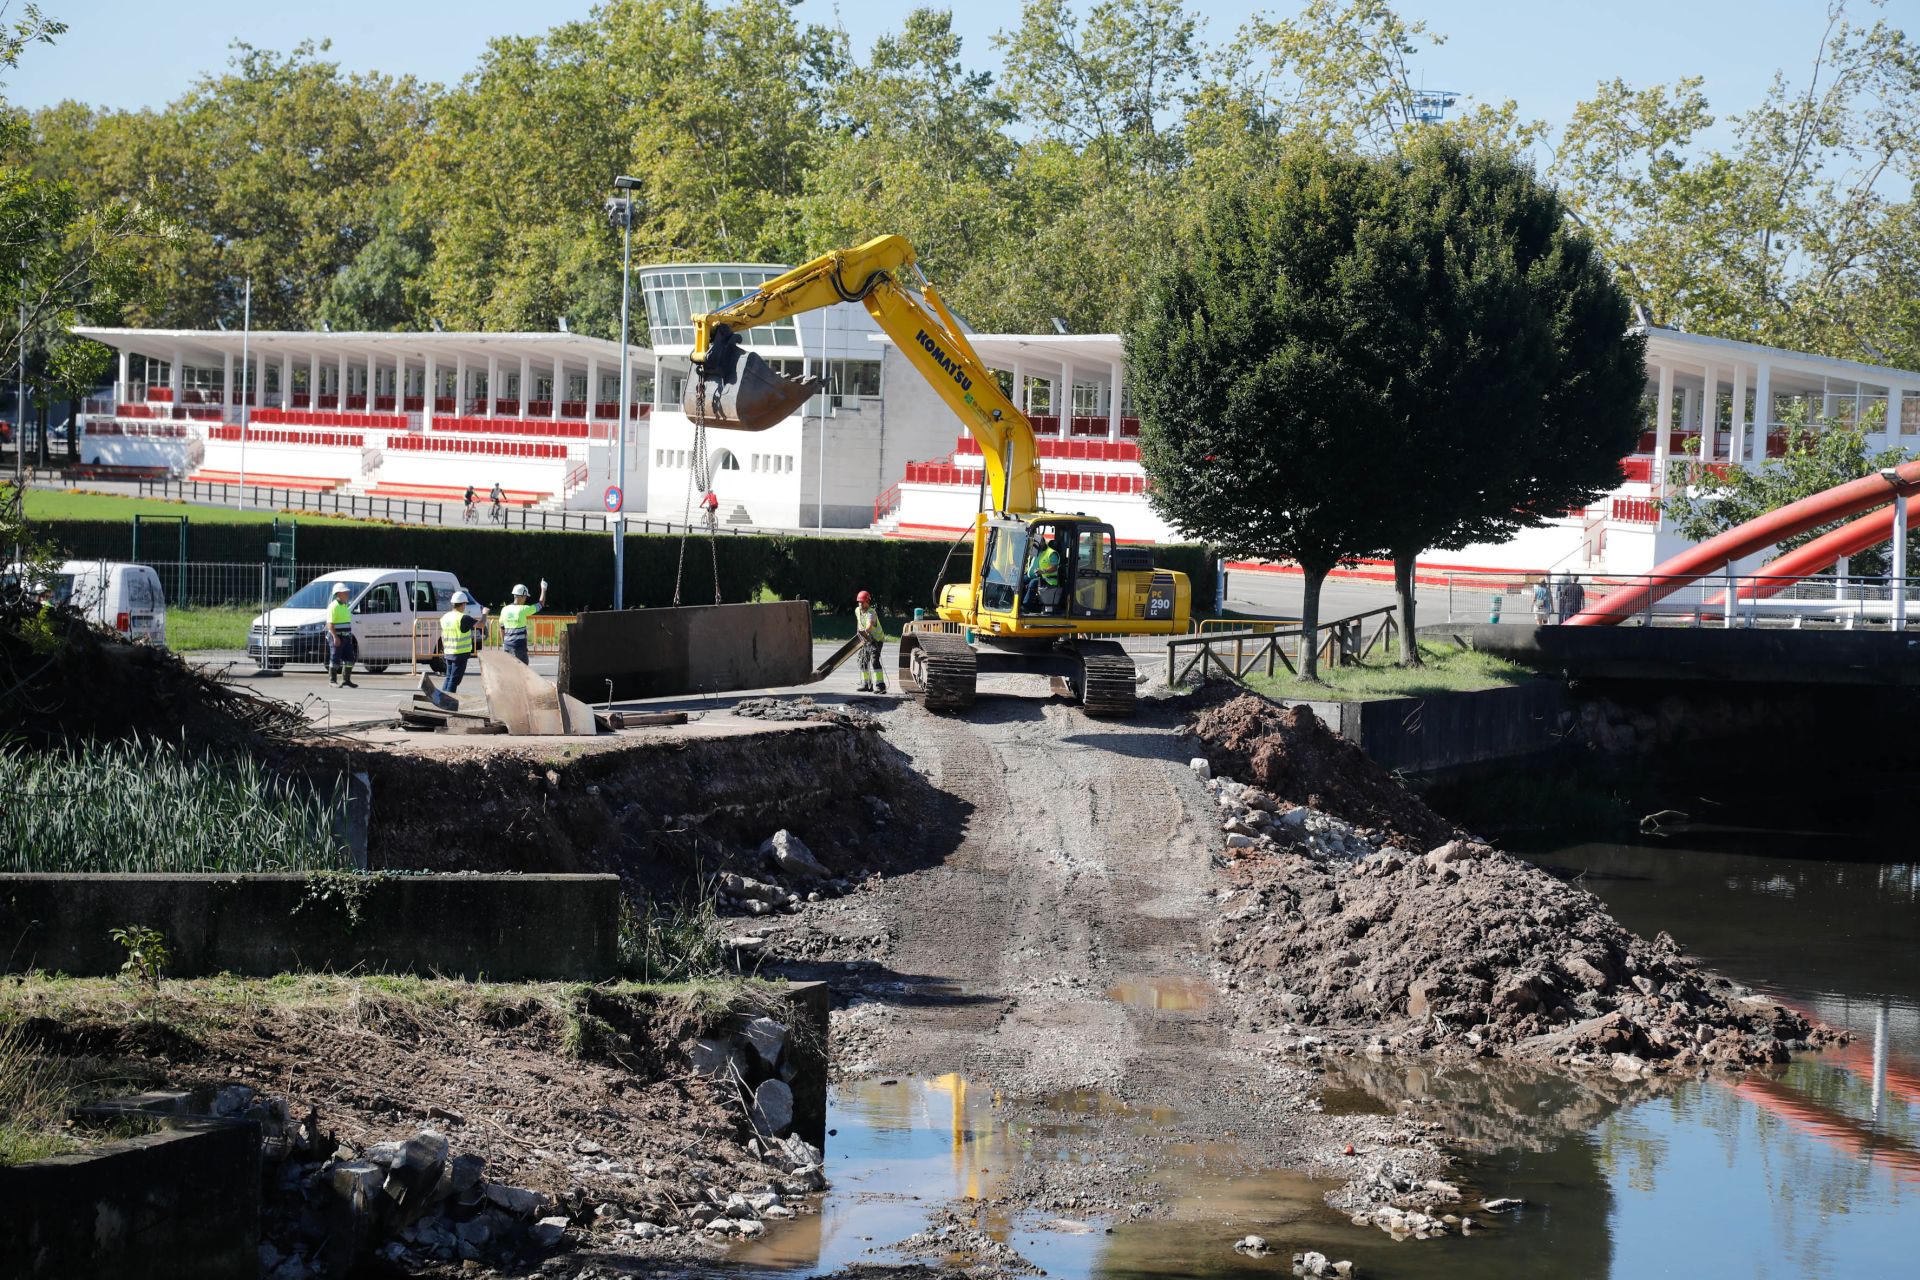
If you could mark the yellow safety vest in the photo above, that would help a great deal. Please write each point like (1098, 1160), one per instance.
(339, 614)
(866, 622)
(513, 617)
(453, 641)
(1049, 567)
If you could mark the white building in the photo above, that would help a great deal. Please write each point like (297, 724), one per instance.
(535, 413)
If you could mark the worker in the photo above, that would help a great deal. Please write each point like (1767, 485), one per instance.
(514, 619)
(866, 625)
(341, 648)
(1046, 576)
(456, 641)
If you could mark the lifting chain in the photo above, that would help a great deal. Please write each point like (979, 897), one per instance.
(699, 476)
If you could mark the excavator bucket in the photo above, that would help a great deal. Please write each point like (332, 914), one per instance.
(734, 388)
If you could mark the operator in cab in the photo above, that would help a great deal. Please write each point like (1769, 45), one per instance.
(1043, 576)
(515, 617)
(341, 647)
(866, 625)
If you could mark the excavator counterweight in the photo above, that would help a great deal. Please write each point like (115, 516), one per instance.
(734, 388)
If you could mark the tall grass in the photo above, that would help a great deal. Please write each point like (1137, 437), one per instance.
(33, 1102)
(198, 627)
(146, 806)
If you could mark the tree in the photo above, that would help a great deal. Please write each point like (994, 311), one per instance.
(1519, 388)
(1259, 408)
(1818, 456)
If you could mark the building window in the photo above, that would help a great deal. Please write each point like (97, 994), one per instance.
(723, 460)
(674, 298)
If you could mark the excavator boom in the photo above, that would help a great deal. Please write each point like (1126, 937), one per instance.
(736, 389)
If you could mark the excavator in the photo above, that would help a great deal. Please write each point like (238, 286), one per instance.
(1048, 590)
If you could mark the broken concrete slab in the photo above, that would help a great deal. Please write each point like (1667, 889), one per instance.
(527, 704)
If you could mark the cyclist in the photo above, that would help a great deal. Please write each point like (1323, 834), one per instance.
(467, 504)
(498, 498)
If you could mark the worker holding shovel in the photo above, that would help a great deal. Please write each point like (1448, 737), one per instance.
(866, 625)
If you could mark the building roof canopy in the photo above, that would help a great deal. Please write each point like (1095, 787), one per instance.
(211, 347)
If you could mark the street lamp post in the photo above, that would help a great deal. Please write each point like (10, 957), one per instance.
(621, 210)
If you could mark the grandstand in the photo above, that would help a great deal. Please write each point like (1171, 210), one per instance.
(414, 415)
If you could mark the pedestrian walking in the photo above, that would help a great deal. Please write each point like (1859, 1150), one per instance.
(1576, 597)
(1559, 600)
(515, 617)
(456, 641)
(1541, 603)
(342, 649)
(866, 625)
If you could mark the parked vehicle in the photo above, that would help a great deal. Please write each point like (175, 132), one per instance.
(113, 593)
(386, 605)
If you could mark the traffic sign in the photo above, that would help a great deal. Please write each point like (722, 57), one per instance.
(613, 497)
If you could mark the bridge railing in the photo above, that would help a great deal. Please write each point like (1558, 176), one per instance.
(1844, 601)
(1240, 653)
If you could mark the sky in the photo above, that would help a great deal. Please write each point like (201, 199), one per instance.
(1545, 54)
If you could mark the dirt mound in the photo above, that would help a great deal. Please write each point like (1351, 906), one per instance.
(1288, 753)
(62, 678)
(1468, 950)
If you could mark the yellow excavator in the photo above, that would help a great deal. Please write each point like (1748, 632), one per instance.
(1047, 588)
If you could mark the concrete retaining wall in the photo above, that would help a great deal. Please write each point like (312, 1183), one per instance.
(507, 927)
(181, 1204)
(656, 653)
(1448, 730)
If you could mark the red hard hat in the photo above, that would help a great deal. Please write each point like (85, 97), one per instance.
(864, 597)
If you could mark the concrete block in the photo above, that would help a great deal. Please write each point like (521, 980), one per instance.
(654, 653)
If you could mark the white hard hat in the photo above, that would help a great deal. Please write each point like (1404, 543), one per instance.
(342, 589)
(461, 597)
(520, 589)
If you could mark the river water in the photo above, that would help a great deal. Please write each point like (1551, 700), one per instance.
(1811, 1170)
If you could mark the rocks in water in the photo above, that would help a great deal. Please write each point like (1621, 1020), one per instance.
(1251, 1246)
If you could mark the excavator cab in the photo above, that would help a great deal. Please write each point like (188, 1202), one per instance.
(735, 388)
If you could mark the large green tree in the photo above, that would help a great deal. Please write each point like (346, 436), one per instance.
(1519, 386)
(1261, 399)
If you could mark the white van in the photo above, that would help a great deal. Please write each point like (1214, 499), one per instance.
(386, 603)
(113, 593)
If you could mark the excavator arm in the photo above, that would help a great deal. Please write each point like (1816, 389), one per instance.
(734, 388)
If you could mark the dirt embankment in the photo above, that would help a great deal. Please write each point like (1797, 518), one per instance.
(1351, 917)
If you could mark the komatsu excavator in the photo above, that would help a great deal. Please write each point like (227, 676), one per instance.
(1047, 589)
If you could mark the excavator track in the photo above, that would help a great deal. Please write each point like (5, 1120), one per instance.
(1106, 684)
(940, 668)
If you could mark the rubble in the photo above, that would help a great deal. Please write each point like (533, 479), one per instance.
(1385, 945)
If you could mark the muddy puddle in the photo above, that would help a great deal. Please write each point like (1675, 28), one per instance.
(1167, 994)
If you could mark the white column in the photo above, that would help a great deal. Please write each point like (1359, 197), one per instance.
(1063, 403)
(340, 392)
(122, 395)
(526, 382)
(373, 381)
(177, 375)
(1709, 411)
(1114, 376)
(1762, 413)
(226, 382)
(593, 386)
(1895, 407)
(493, 383)
(427, 388)
(259, 388)
(1899, 564)
(1662, 429)
(460, 384)
(1020, 384)
(559, 386)
(1737, 443)
(400, 382)
(286, 379)
(313, 380)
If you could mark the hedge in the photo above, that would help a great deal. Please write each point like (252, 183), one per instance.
(901, 573)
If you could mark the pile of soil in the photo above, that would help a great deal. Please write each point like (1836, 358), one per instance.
(1288, 753)
(1461, 949)
(63, 678)
(592, 1106)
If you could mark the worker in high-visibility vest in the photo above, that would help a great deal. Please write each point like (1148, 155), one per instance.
(866, 625)
(515, 617)
(456, 640)
(1043, 582)
(341, 647)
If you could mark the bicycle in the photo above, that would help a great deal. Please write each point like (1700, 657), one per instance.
(497, 514)
(471, 515)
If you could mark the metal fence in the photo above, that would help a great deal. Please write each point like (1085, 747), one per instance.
(1846, 602)
(1238, 654)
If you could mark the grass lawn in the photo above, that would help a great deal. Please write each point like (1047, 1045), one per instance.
(1447, 669)
(68, 504)
(208, 626)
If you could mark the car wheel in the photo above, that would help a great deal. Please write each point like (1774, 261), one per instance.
(376, 668)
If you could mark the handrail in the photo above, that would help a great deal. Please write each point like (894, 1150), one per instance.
(1344, 645)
